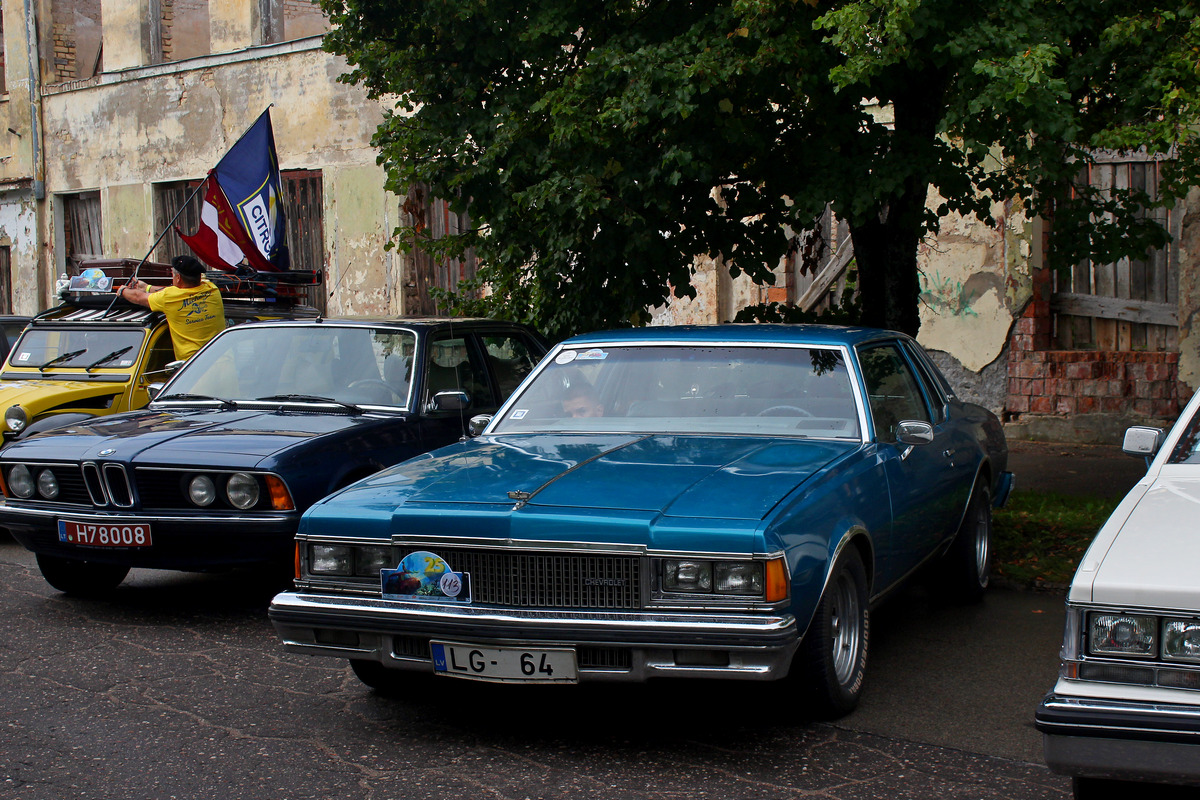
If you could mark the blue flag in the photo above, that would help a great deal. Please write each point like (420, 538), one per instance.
(249, 177)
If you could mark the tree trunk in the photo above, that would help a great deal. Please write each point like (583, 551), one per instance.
(888, 286)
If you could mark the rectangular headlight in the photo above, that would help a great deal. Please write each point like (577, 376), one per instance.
(1181, 640)
(738, 577)
(328, 559)
(370, 560)
(1123, 635)
(687, 576)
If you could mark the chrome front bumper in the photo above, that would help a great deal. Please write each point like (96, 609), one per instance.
(1101, 738)
(396, 634)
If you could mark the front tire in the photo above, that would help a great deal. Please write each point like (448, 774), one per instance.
(833, 656)
(967, 565)
(80, 578)
(378, 677)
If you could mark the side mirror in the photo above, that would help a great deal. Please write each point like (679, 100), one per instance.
(913, 432)
(478, 423)
(1143, 441)
(450, 401)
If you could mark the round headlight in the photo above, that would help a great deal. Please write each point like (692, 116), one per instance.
(47, 484)
(16, 419)
(242, 490)
(20, 481)
(201, 490)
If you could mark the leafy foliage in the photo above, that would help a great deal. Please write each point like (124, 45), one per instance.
(604, 146)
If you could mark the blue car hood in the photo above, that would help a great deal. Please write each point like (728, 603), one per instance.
(186, 436)
(716, 477)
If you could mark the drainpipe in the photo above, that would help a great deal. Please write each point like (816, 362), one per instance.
(45, 272)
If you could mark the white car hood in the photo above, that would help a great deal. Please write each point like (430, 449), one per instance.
(1154, 559)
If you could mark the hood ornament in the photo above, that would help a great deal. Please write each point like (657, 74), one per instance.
(108, 451)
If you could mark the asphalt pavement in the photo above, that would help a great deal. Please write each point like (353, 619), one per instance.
(176, 686)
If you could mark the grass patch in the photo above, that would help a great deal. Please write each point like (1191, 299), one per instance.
(1040, 538)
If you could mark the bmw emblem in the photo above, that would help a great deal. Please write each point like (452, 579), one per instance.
(108, 451)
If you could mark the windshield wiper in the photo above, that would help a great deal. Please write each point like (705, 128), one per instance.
(226, 405)
(312, 398)
(108, 357)
(62, 358)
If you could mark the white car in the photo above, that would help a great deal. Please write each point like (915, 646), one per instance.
(1126, 706)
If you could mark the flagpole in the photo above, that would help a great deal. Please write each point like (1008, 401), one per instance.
(185, 204)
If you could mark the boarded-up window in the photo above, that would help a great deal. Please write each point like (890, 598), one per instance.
(168, 198)
(1130, 304)
(433, 219)
(304, 207)
(81, 228)
(76, 32)
(304, 213)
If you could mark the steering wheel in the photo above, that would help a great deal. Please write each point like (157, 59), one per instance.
(376, 383)
(766, 412)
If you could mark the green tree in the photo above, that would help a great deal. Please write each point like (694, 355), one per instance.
(604, 145)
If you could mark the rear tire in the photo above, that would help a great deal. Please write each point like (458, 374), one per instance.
(967, 566)
(80, 578)
(832, 659)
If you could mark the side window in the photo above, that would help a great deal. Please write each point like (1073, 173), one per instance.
(158, 356)
(892, 390)
(453, 365)
(510, 357)
(935, 385)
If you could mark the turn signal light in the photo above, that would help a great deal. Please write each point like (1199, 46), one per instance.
(281, 498)
(777, 582)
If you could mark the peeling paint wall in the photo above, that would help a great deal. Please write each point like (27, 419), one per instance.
(173, 122)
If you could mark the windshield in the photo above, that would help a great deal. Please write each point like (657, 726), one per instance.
(48, 348)
(769, 390)
(305, 363)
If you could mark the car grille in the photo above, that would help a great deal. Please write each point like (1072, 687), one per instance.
(524, 579)
(115, 486)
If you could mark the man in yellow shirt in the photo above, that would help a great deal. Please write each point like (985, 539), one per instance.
(192, 305)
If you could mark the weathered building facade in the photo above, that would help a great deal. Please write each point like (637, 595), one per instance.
(117, 108)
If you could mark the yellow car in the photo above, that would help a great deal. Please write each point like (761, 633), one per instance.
(82, 360)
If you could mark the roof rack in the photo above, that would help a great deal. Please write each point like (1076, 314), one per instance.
(284, 287)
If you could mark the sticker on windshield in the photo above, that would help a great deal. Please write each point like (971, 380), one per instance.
(520, 413)
(565, 357)
(24, 356)
(595, 354)
(425, 576)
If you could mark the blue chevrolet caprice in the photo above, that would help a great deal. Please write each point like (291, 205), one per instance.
(721, 502)
(266, 419)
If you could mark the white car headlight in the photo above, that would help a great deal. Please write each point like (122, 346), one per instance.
(1123, 635)
(47, 484)
(687, 576)
(16, 418)
(20, 481)
(242, 490)
(201, 490)
(329, 559)
(1181, 640)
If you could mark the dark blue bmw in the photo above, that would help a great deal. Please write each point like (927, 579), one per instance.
(264, 421)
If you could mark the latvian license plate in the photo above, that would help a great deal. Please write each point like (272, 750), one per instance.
(92, 535)
(504, 664)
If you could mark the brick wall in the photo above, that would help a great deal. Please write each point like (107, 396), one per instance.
(1042, 381)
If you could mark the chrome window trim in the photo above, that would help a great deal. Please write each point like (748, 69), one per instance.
(852, 369)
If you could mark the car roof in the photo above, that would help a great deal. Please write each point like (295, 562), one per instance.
(406, 321)
(738, 333)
